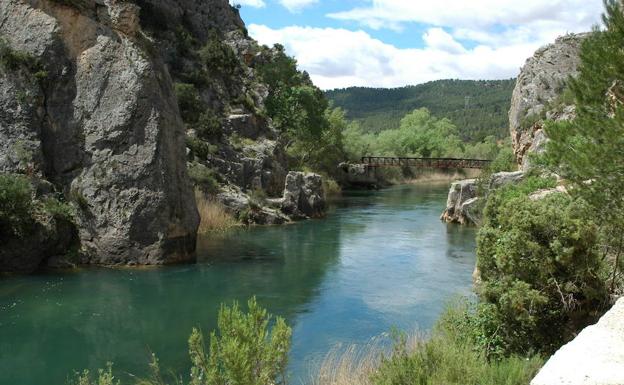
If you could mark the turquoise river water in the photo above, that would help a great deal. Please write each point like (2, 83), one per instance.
(379, 260)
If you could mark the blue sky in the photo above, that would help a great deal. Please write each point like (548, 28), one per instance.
(391, 43)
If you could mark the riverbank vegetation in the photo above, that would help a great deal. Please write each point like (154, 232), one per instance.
(21, 211)
(213, 215)
(448, 355)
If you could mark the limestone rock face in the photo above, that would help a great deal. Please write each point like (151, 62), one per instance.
(359, 175)
(464, 207)
(461, 203)
(594, 357)
(303, 195)
(541, 81)
(103, 126)
(501, 179)
(543, 193)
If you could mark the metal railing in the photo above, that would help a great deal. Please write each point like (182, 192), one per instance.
(442, 163)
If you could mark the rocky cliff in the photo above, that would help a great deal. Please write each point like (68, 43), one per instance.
(124, 106)
(540, 94)
(90, 107)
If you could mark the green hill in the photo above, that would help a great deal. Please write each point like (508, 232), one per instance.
(478, 108)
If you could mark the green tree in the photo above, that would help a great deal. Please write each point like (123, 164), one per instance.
(542, 273)
(587, 151)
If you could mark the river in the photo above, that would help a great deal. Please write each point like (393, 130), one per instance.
(379, 260)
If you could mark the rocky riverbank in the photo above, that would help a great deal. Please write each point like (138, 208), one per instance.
(105, 102)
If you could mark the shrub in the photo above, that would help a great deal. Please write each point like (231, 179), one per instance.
(541, 268)
(104, 377)
(243, 350)
(57, 209)
(199, 148)
(13, 60)
(203, 177)
(189, 101)
(208, 125)
(449, 357)
(218, 56)
(16, 205)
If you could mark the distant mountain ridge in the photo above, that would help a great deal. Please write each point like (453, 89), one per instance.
(477, 107)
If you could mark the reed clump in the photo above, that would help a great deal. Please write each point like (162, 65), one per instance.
(214, 216)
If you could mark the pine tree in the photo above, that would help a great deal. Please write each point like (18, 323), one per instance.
(589, 150)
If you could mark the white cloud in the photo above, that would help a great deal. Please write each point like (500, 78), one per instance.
(249, 3)
(476, 39)
(475, 14)
(340, 58)
(439, 39)
(296, 5)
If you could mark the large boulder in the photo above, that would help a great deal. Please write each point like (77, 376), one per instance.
(594, 357)
(359, 175)
(504, 178)
(463, 206)
(303, 195)
(462, 202)
(102, 124)
(541, 81)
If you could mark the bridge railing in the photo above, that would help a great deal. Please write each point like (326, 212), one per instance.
(388, 161)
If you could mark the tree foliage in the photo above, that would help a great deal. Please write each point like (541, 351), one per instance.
(420, 135)
(541, 268)
(477, 108)
(587, 151)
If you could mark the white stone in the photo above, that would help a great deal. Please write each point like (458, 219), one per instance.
(594, 357)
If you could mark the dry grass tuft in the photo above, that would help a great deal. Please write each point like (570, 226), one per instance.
(214, 216)
(356, 364)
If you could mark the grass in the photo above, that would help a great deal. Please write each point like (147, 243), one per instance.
(214, 216)
(446, 357)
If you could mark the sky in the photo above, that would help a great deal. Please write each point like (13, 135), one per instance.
(392, 43)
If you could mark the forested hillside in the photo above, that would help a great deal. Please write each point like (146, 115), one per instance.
(478, 108)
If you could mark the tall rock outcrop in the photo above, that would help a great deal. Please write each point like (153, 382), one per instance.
(90, 107)
(538, 94)
(126, 105)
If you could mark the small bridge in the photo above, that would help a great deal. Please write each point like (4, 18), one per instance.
(441, 163)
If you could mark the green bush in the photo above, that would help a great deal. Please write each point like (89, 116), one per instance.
(13, 60)
(203, 177)
(208, 125)
(199, 148)
(218, 56)
(450, 357)
(243, 351)
(16, 205)
(543, 276)
(189, 101)
(57, 209)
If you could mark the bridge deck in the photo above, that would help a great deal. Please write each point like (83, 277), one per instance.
(443, 163)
